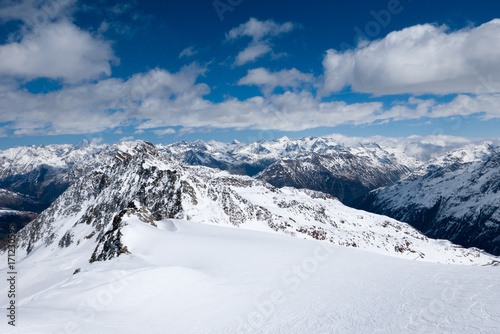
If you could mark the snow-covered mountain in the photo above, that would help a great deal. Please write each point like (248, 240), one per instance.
(345, 167)
(339, 165)
(149, 184)
(143, 229)
(455, 196)
(316, 163)
(32, 177)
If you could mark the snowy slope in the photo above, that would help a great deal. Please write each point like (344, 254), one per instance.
(32, 177)
(185, 277)
(455, 196)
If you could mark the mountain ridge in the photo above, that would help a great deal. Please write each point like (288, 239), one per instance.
(146, 180)
(453, 197)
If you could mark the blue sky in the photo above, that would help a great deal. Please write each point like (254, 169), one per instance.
(238, 69)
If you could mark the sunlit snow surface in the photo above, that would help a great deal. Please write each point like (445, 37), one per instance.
(186, 277)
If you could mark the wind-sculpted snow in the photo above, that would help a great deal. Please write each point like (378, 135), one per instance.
(455, 196)
(143, 177)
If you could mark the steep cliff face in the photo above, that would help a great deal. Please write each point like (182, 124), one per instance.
(455, 196)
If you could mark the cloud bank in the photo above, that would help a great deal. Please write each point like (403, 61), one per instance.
(422, 59)
(416, 60)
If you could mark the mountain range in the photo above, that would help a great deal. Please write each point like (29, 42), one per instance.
(135, 226)
(346, 168)
(148, 183)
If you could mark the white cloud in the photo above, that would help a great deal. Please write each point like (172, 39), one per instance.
(289, 111)
(418, 60)
(161, 99)
(188, 52)
(463, 105)
(268, 81)
(162, 132)
(121, 8)
(261, 33)
(48, 45)
(96, 140)
(252, 53)
(258, 30)
(107, 104)
(59, 51)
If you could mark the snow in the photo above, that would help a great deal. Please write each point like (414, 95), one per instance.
(410, 152)
(464, 187)
(186, 277)
(4, 212)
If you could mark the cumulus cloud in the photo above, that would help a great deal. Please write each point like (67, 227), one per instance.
(159, 100)
(258, 30)
(420, 59)
(261, 33)
(252, 53)
(463, 105)
(288, 111)
(59, 51)
(48, 45)
(268, 81)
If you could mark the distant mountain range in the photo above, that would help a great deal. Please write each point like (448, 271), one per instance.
(322, 164)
